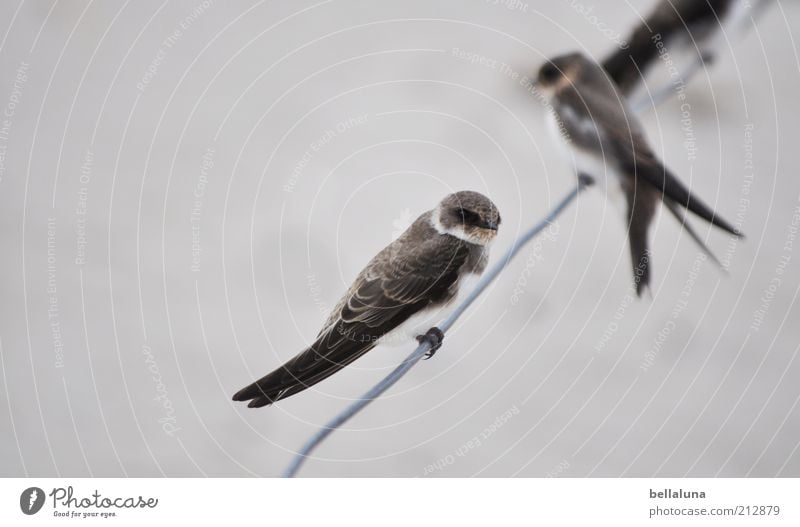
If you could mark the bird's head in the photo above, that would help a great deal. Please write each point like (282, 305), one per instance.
(469, 216)
(560, 71)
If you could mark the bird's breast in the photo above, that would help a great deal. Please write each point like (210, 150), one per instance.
(426, 318)
(588, 159)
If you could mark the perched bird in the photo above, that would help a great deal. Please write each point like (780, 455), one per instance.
(690, 31)
(607, 144)
(398, 295)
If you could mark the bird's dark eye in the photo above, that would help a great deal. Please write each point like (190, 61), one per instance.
(469, 217)
(549, 72)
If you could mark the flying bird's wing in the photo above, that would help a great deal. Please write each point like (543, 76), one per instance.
(617, 134)
(399, 282)
(681, 217)
(642, 164)
(693, 19)
(623, 140)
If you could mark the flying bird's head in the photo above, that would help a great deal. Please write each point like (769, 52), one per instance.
(467, 215)
(561, 71)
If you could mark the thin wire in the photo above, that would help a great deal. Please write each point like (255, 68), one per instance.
(396, 374)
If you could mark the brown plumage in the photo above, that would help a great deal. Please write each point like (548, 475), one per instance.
(690, 22)
(420, 271)
(689, 33)
(610, 146)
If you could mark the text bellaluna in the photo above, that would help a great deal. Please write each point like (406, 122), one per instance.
(679, 493)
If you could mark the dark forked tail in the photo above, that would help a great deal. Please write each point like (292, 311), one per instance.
(657, 175)
(331, 352)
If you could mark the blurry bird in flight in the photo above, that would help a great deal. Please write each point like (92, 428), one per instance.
(606, 143)
(691, 32)
(398, 295)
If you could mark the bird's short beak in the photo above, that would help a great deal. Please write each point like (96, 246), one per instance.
(491, 225)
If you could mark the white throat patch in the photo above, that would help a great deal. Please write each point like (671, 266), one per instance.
(457, 231)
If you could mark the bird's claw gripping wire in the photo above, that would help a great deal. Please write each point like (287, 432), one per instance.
(434, 337)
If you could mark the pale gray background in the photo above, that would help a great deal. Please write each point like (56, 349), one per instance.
(259, 83)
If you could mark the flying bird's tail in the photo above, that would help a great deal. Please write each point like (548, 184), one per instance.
(673, 208)
(671, 187)
(652, 181)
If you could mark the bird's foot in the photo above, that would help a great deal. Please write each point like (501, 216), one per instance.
(434, 337)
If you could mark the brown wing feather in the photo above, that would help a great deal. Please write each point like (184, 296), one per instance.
(624, 143)
(668, 20)
(400, 281)
(646, 167)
